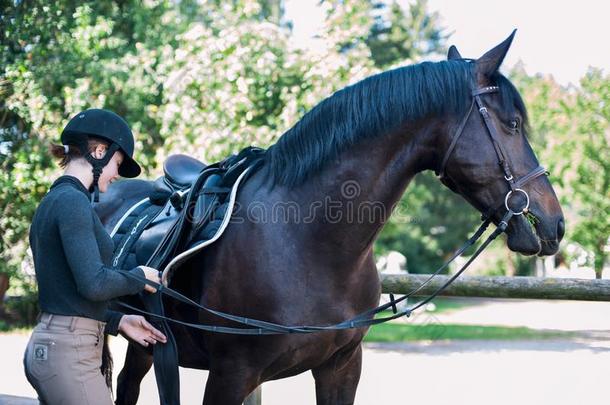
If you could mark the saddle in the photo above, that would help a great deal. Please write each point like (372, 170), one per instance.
(182, 170)
(188, 209)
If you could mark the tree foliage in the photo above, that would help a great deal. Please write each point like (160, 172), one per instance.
(571, 134)
(589, 152)
(399, 36)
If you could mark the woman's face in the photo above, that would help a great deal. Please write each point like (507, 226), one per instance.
(110, 172)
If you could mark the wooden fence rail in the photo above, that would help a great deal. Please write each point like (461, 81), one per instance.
(502, 287)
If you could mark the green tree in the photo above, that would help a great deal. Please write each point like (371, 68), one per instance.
(57, 58)
(588, 151)
(403, 37)
(570, 132)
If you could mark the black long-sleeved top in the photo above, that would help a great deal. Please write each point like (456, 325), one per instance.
(72, 255)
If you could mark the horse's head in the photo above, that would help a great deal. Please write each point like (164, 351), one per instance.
(490, 162)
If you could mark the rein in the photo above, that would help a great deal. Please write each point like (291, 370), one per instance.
(259, 327)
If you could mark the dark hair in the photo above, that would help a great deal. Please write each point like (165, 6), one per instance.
(74, 152)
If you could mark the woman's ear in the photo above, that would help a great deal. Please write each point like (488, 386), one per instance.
(100, 151)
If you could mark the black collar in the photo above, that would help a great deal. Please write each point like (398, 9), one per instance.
(76, 183)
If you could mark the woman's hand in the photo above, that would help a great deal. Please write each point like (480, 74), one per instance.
(152, 275)
(137, 328)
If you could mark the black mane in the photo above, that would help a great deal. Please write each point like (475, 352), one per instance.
(372, 107)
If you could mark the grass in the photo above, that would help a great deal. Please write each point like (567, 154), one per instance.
(433, 330)
(441, 304)
(400, 332)
(531, 218)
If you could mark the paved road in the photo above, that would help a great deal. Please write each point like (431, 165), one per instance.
(462, 372)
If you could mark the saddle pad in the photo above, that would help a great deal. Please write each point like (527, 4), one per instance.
(144, 217)
(196, 247)
(128, 231)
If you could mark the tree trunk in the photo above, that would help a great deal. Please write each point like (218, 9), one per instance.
(510, 264)
(599, 257)
(599, 260)
(4, 285)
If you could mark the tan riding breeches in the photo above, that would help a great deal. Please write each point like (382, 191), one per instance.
(62, 361)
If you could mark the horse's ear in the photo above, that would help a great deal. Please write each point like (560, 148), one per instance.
(453, 53)
(489, 63)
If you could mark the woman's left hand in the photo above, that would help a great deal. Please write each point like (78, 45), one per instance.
(137, 328)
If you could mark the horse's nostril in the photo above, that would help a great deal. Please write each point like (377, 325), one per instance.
(561, 229)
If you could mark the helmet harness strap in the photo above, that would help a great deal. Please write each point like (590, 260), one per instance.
(98, 167)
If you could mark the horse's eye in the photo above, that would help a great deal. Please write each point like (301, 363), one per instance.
(514, 124)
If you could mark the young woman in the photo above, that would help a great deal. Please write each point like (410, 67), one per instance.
(72, 253)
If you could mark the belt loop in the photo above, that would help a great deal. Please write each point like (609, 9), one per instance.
(73, 323)
(48, 321)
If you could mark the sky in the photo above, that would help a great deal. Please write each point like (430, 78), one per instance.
(560, 38)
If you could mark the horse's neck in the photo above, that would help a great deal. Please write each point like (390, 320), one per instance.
(360, 189)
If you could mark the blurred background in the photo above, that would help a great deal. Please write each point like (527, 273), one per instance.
(207, 78)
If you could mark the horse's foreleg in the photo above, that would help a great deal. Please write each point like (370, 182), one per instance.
(137, 363)
(337, 379)
(229, 385)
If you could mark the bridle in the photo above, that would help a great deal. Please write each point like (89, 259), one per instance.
(516, 186)
(258, 327)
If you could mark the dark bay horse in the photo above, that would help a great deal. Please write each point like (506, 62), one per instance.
(302, 252)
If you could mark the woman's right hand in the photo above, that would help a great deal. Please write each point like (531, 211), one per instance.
(152, 275)
(137, 328)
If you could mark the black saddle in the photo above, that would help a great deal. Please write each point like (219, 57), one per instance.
(182, 170)
(185, 208)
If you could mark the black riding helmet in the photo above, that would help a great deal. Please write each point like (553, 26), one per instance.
(110, 127)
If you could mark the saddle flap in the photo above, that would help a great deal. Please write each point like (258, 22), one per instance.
(205, 199)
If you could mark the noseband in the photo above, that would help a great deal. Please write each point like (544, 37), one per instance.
(514, 185)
